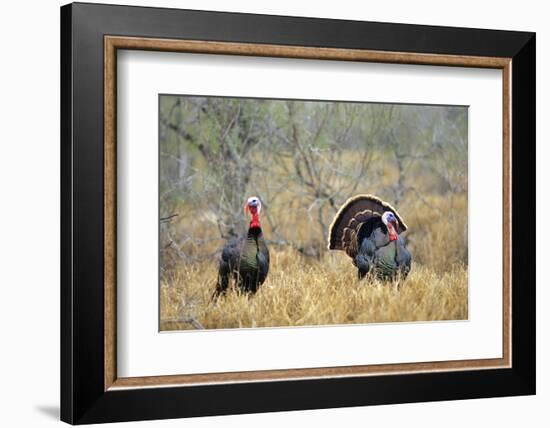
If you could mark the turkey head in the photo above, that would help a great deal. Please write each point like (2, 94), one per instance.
(253, 207)
(388, 218)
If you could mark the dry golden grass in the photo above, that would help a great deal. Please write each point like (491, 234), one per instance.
(299, 292)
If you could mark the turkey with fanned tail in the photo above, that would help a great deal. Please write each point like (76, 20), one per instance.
(368, 230)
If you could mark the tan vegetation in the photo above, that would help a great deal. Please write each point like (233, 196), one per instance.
(299, 293)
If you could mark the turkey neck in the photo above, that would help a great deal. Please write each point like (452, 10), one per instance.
(255, 230)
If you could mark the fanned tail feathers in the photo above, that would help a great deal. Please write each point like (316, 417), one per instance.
(352, 215)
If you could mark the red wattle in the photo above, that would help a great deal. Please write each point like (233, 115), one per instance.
(392, 233)
(255, 220)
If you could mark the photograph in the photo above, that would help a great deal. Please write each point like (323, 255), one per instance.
(288, 212)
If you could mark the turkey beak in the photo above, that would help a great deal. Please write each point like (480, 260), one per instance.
(396, 225)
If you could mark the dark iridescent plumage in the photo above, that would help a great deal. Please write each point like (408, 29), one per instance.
(244, 259)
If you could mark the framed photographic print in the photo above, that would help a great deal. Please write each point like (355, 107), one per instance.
(265, 213)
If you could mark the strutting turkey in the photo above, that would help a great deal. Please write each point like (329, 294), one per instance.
(368, 230)
(246, 259)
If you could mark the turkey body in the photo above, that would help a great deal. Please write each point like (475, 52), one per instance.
(246, 260)
(359, 230)
(386, 259)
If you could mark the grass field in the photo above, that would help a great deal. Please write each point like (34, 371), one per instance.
(298, 292)
(302, 290)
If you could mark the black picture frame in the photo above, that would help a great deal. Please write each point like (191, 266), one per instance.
(83, 398)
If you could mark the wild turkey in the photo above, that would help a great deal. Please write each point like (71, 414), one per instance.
(368, 229)
(246, 259)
